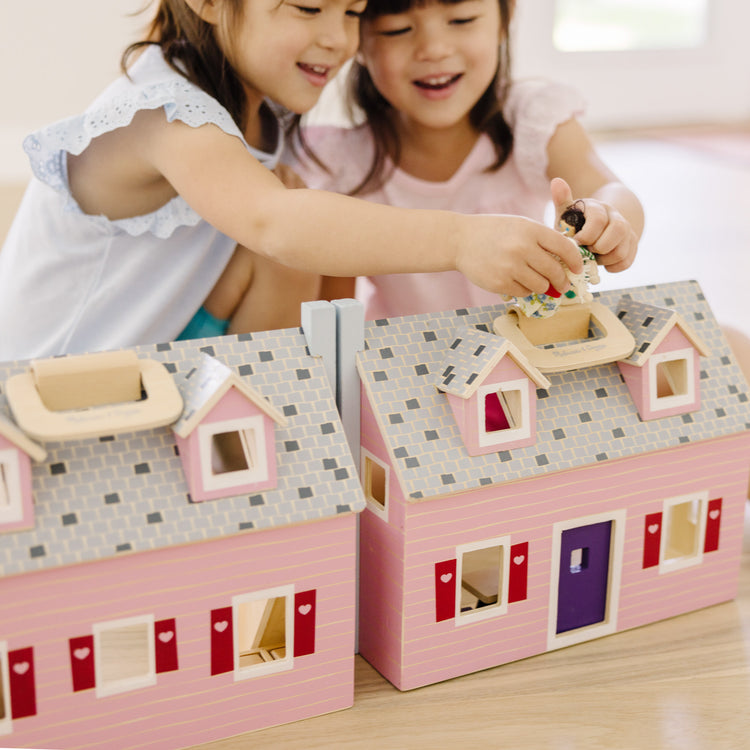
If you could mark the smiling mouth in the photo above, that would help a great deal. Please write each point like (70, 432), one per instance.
(320, 71)
(437, 83)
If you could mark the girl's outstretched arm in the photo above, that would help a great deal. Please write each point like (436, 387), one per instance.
(336, 235)
(614, 215)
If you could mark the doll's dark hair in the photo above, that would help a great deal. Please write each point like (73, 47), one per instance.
(190, 47)
(574, 216)
(486, 115)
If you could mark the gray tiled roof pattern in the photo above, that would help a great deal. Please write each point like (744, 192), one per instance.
(101, 497)
(584, 417)
(646, 322)
(468, 357)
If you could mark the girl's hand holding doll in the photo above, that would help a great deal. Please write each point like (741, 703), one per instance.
(614, 215)
(607, 233)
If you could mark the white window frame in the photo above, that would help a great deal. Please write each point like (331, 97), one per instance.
(494, 610)
(6, 723)
(680, 399)
(230, 479)
(11, 497)
(669, 565)
(374, 506)
(277, 665)
(130, 683)
(512, 434)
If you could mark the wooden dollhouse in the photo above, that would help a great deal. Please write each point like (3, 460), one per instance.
(179, 521)
(186, 571)
(516, 505)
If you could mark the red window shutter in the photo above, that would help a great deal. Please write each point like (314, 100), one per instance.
(713, 525)
(222, 648)
(652, 540)
(519, 572)
(304, 623)
(82, 662)
(165, 643)
(22, 684)
(445, 590)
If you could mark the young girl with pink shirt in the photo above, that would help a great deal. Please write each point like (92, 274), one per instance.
(445, 127)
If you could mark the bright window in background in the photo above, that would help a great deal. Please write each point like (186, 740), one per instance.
(612, 25)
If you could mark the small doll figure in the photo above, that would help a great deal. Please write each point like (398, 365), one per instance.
(545, 305)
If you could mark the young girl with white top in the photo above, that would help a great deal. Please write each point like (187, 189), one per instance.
(445, 127)
(137, 205)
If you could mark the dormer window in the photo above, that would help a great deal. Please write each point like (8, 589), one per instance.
(491, 389)
(226, 435)
(663, 372)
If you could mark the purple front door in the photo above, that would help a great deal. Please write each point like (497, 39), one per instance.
(584, 576)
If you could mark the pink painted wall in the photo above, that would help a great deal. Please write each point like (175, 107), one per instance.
(431, 651)
(187, 706)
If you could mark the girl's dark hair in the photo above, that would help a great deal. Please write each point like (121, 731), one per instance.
(190, 47)
(486, 115)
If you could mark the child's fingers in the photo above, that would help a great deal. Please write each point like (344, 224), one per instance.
(545, 270)
(597, 219)
(562, 195)
(563, 247)
(613, 235)
(621, 256)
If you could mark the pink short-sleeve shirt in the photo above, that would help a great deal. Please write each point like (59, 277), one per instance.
(534, 109)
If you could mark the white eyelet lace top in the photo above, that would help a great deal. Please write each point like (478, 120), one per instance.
(72, 282)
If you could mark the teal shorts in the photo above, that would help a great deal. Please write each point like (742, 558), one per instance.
(203, 326)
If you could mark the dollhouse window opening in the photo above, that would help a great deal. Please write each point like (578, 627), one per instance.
(579, 559)
(11, 505)
(375, 480)
(233, 452)
(124, 655)
(503, 412)
(672, 379)
(264, 630)
(684, 528)
(5, 716)
(483, 572)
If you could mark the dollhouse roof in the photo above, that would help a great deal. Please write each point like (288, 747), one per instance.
(203, 385)
(584, 417)
(472, 355)
(649, 325)
(102, 497)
